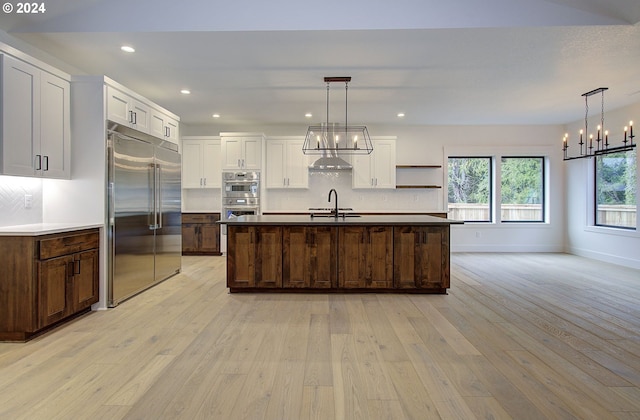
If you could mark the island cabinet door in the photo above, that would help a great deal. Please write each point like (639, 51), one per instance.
(310, 257)
(366, 257)
(241, 256)
(421, 257)
(268, 265)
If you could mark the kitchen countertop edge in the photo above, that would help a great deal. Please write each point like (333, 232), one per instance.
(38, 229)
(389, 220)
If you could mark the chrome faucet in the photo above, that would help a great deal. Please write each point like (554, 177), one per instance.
(332, 190)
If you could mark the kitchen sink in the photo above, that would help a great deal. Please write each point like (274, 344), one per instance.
(329, 212)
(343, 215)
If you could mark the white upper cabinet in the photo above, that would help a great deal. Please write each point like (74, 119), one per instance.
(287, 166)
(36, 137)
(378, 169)
(171, 130)
(157, 124)
(131, 110)
(126, 110)
(163, 126)
(201, 162)
(241, 151)
(55, 126)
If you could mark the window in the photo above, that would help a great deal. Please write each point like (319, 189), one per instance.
(616, 204)
(522, 189)
(470, 189)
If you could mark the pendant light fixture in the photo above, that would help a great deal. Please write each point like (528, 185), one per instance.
(590, 146)
(330, 139)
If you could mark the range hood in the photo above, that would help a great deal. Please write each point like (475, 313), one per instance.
(330, 163)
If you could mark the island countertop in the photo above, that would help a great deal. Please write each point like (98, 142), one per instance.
(40, 229)
(349, 220)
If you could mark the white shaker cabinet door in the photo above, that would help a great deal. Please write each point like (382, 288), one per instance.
(20, 121)
(192, 164)
(297, 165)
(252, 147)
(276, 176)
(211, 168)
(55, 127)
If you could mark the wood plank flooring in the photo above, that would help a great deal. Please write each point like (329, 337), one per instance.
(519, 336)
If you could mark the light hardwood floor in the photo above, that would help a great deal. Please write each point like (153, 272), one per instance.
(518, 336)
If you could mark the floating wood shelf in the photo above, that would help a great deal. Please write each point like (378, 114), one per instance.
(417, 166)
(418, 186)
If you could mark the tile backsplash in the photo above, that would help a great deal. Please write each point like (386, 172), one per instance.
(16, 194)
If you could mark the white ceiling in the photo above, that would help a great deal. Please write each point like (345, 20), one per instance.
(439, 62)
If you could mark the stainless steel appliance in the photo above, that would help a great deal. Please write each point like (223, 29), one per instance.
(144, 212)
(240, 196)
(241, 184)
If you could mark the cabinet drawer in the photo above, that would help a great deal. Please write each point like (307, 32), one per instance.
(68, 244)
(200, 217)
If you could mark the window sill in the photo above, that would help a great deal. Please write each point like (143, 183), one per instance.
(630, 233)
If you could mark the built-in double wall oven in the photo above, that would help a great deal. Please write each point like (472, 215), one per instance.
(240, 194)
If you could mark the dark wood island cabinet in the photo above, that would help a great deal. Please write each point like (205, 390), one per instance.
(366, 257)
(309, 257)
(254, 257)
(281, 253)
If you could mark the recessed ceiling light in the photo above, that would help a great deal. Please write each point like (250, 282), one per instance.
(308, 115)
(216, 115)
(185, 91)
(400, 114)
(128, 49)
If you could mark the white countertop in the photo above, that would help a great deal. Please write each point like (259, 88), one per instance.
(36, 229)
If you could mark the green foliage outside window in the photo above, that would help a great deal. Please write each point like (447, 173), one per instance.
(616, 178)
(521, 180)
(469, 180)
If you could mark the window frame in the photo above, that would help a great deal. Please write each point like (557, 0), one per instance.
(492, 170)
(595, 203)
(543, 196)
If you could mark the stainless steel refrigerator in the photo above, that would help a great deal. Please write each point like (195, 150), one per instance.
(144, 212)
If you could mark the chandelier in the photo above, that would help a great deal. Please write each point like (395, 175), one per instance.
(334, 139)
(600, 145)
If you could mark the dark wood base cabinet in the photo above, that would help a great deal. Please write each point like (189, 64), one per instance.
(309, 257)
(45, 280)
(421, 256)
(200, 234)
(254, 257)
(356, 258)
(366, 257)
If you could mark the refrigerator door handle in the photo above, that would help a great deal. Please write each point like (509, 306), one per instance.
(153, 219)
(158, 194)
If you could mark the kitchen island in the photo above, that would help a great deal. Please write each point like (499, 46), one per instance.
(381, 253)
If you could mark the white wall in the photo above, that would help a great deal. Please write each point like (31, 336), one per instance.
(431, 145)
(13, 190)
(83, 199)
(618, 246)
